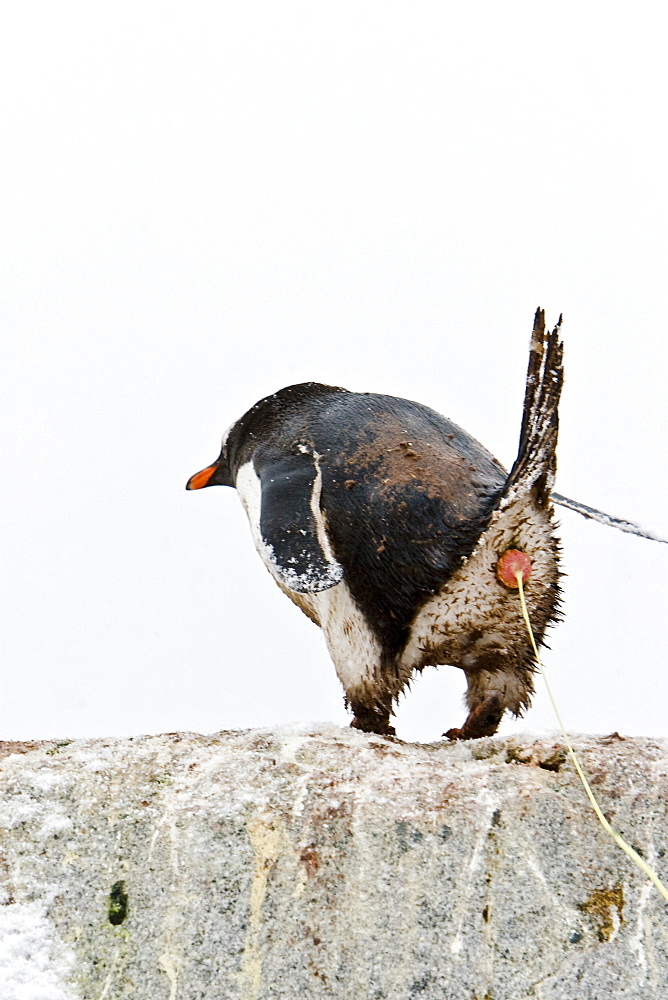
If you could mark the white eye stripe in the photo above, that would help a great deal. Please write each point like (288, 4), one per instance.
(227, 434)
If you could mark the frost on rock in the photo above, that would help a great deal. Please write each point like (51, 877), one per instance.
(30, 966)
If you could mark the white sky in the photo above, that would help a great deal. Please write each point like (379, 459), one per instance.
(204, 202)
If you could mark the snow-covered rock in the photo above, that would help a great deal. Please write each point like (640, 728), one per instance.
(318, 862)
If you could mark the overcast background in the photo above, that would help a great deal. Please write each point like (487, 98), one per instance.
(203, 202)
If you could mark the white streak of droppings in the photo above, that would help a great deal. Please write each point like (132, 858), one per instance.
(556, 902)
(491, 804)
(110, 975)
(171, 966)
(290, 744)
(154, 837)
(636, 941)
(616, 923)
(265, 837)
(170, 961)
(533, 867)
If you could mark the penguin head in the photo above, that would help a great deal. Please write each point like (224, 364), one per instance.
(260, 424)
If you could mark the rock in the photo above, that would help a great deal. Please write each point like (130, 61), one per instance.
(319, 862)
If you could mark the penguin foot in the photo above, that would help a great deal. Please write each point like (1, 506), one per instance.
(483, 720)
(369, 721)
(375, 726)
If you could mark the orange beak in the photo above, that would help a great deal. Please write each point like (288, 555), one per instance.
(201, 479)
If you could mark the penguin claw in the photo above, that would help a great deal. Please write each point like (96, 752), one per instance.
(483, 720)
(453, 734)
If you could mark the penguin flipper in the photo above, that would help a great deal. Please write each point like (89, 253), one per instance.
(536, 463)
(292, 525)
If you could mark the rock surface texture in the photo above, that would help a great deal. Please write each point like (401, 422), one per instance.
(320, 862)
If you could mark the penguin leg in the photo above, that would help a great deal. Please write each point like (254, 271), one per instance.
(372, 703)
(371, 681)
(490, 693)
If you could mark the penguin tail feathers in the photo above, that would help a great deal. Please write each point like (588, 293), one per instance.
(536, 464)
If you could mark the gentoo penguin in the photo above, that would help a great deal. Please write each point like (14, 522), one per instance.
(398, 534)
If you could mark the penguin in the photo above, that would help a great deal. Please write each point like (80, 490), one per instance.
(401, 536)
(393, 529)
